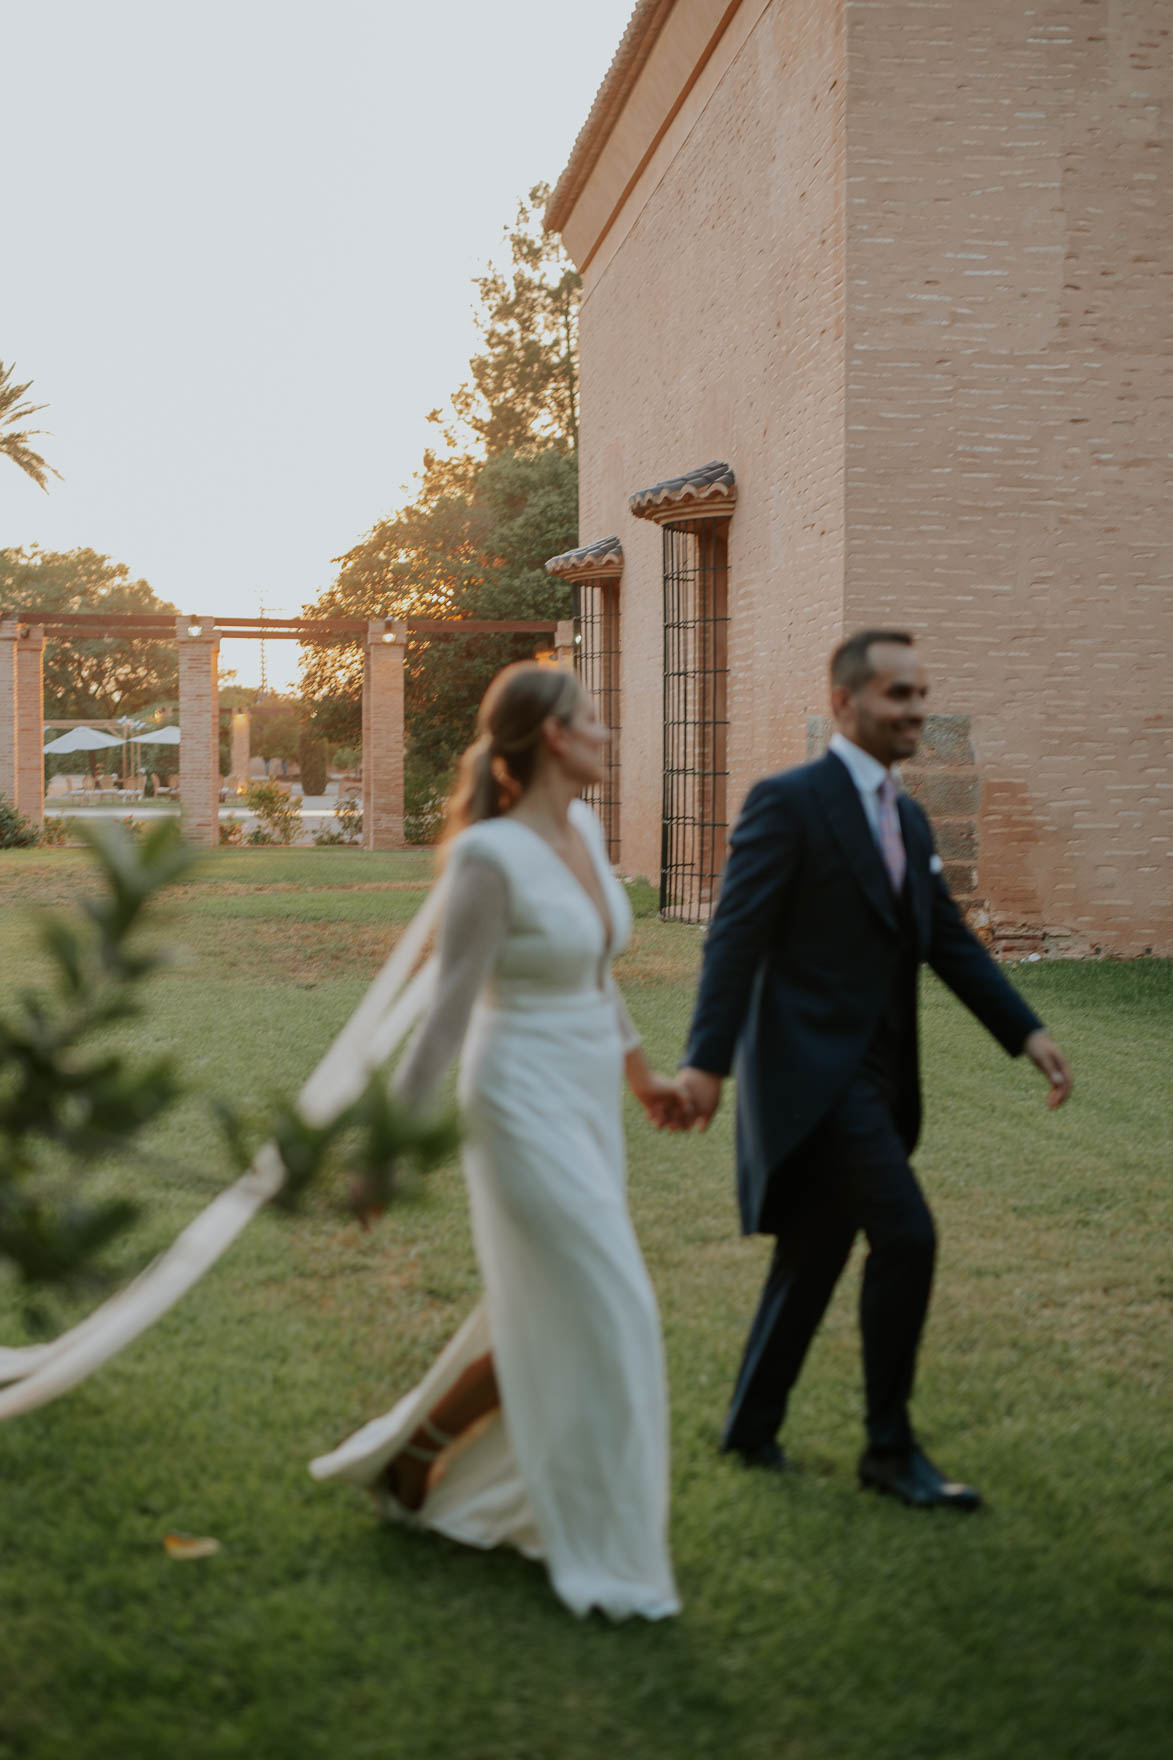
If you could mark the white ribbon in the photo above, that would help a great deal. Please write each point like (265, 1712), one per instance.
(378, 1025)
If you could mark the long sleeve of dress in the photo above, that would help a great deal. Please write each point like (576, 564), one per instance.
(472, 929)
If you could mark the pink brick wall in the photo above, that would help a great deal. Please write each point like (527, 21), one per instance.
(906, 265)
(1009, 392)
(714, 330)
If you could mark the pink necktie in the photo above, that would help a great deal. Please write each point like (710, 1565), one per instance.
(888, 834)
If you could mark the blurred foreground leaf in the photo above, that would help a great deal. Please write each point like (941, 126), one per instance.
(69, 1098)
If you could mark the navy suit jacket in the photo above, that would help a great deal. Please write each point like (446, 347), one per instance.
(800, 961)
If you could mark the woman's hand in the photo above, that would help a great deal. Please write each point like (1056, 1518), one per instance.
(666, 1102)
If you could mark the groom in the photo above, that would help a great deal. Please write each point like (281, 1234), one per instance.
(831, 899)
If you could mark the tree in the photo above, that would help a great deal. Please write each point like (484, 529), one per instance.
(477, 557)
(14, 444)
(312, 762)
(521, 511)
(275, 731)
(524, 390)
(497, 499)
(102, 676)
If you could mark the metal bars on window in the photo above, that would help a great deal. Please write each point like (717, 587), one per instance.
(596, 652)
(696, 728)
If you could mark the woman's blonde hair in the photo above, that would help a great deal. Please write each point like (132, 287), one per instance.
(499, 766)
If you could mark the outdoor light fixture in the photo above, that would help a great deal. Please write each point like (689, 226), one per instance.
(195, 629)
(578, 638)
(388, 635)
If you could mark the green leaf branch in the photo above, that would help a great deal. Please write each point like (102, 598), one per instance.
(69, 1098)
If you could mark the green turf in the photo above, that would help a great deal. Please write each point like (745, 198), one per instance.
(819, 1624)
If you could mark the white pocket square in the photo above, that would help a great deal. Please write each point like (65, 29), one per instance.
(935, 864)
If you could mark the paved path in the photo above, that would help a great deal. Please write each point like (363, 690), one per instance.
(317, 811)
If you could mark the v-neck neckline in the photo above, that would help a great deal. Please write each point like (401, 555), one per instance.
(603, 916)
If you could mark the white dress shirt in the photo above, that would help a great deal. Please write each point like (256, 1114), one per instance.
(867, 773)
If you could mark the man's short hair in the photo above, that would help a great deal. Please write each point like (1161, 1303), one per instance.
(850, 664)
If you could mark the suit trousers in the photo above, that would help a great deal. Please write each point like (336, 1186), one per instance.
(853, 1174)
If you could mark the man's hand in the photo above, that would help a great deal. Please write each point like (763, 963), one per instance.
(704, 1091)
(1047, 1057)
(666, 1102)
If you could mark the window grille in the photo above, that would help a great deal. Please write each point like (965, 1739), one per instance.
(696, 728)
(596, 651)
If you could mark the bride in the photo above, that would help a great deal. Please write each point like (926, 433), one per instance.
(543, 1424)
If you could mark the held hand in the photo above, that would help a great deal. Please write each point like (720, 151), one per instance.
(1047, 1057)
(704, 1091)
(666, 1102)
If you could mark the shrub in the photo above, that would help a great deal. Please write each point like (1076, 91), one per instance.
(16, 832)
(348, 825)
(57, 831)
(279, 818)
(348, 813)
(232, 832)
(312, 762)
(346, 758)
(425, 798)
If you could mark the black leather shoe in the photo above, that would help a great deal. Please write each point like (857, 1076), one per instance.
(914, 1479)
(770, 1457)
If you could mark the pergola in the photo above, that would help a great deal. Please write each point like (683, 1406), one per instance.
(22, 698)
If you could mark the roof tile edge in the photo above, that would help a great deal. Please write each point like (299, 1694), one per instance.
(636, 44)
(708, 492)
(602, 560)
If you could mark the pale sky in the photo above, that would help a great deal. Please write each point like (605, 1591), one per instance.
(238, 245)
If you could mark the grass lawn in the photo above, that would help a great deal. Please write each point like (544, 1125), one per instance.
(819, 1624)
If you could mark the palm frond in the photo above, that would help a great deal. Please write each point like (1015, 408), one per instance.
(14, 444)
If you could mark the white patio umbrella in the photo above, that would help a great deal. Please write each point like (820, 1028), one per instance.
(162, 736)
(82, 739)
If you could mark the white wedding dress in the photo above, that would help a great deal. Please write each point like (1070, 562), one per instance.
(573, 1469)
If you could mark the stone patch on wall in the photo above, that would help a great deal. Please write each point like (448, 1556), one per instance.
(945, 781)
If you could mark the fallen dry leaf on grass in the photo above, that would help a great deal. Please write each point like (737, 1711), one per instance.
(190, 1545)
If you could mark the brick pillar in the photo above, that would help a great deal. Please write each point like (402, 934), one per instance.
(9, 641)
(30, 724)
(238, 768)
(564, 649)
(199, 724)
(383, 735)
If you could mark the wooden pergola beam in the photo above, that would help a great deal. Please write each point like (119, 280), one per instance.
(304, 629)
(197, 636)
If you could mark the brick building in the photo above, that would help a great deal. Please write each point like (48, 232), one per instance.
(902, 270)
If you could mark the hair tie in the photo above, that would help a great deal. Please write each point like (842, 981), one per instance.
(509, 789)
